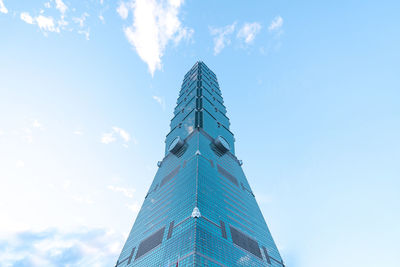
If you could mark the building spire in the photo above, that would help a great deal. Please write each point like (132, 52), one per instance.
(200, 106)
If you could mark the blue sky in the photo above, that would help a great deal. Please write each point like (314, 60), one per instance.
(87, 90)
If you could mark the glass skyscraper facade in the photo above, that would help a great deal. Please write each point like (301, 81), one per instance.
(200, 209)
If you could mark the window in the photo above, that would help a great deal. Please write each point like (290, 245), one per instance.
(170, 229)
(245, 242)
(227, 175)
(169, 176)
(149, 243)
(223, 230)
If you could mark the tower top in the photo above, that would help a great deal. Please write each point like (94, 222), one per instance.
(200, 106)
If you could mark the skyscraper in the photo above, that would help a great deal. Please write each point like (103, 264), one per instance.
(200, 209)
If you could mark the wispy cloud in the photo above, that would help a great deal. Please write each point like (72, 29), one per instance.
(37, 124)
(222, 36)
(56, 23)
(124, 134)
(276, 24)
(53, 247)
(101, 17)
(3, 8)
(77, 132)
(152, 24)
(160, 101)
(61, 6)
(249, 31)
(83, 29)
(107, 138)
(86, 33)
(26, 17)
(81, 20)
(83, 199)
(155, 23)
(128, 192)
(46, 24)
(123, 10)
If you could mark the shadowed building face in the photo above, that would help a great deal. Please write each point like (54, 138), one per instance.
(200, 209)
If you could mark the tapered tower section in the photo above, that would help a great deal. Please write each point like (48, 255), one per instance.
(200, 209)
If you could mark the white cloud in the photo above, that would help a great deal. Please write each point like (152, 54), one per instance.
(86, 33)
(77, 132)
(83, 199)
(124, 134)
(222, 37)
(249, 31)
(61, 6)
(27, 18)
(128, 192)
(101, 18)
(276, 24)
(184, 34)
(46, 23)
(81, 20)
(57, 24)
(160, 101)
(53, 247)
(3, 8)
(123, 10)
(107, 138)
(155, 23)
